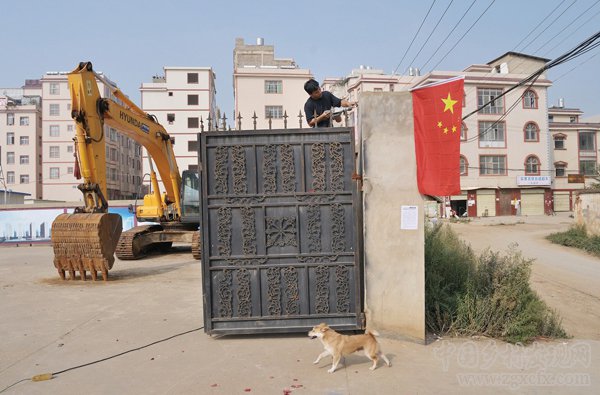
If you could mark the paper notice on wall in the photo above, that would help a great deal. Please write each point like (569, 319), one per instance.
(409, 217)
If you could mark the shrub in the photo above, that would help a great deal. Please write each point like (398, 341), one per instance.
(485, 295)
(577, 237)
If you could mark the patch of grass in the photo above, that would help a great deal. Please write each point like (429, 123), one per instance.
(577, 237)
(487, 295)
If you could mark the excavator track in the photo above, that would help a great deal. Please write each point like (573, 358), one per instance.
(129, 247)
(85, 242)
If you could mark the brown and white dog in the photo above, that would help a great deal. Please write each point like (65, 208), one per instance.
(338, 345)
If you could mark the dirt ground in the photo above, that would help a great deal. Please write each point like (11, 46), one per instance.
(567, 279)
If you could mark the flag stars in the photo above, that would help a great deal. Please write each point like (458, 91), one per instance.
(439, 124)
(445, 130)
(453, 129)
(449, 103)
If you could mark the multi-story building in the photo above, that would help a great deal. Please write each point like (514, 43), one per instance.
(506, 160)
(267, 91)
(575, 153)
(21, 142)
(183, 100)
(123, 155)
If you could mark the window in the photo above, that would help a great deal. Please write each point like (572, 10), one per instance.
(10, 177)
(588, 167)
(24, 159)
(464, 166)
(587, 141)
(560, 169)
(492, 165)
(192, 146)
(112, 133)
(54, 109)
(491, 134)
(54, 173)
(170, 93)
(463, 132)
(275, 112)
(377, 89)
(532, 132)
(10, 158)
(559, 141)
(69, 128)
(532, 165)
(70, 149)
(54, 151)
(10, 119)
(54, 88)
(10, 138)
(391, 87)
(192, 78)
(170, 118)
(572, 119)
(530, 99)
(193, 123)
(24, 140)
(273, 86)
(550, 118)
(24, 179)
(23, 121)
(192, 100)
(489, 95)
(54, 130)
(69, 170)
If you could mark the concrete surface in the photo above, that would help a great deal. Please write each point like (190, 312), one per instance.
(49, 325)
(394, 257)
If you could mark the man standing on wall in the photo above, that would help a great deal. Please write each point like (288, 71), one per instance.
(318, 106)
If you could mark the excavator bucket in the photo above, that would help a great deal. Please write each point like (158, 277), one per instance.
(85, 242)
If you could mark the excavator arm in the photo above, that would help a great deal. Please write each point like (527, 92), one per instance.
(86, 240)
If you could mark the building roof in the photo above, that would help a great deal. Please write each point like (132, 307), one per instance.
(520, 55)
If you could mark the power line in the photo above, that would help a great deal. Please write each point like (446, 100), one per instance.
(567, 26)
(550, 24)
(538, 25)
(575, 31)
(448, 35)
(463, 36)
(580, 64)
(432, 31)
(413, 40)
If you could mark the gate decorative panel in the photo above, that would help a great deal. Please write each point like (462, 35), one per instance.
(280, 231)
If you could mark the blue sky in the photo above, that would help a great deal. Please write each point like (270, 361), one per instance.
(131, 41)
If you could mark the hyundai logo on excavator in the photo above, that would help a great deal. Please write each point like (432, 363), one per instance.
(131, 120)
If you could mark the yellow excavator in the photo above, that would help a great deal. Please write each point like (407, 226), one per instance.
(87, 239)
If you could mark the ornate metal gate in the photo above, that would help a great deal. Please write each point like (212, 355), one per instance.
(280, 231)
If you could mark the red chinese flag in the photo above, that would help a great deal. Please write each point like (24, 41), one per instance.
(437, 111)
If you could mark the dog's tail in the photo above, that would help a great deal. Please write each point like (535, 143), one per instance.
(371, 332)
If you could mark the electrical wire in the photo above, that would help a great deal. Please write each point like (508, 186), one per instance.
(48, 376)
(575, 31)
(413, 40)
(464, 34)
(432, 31)
(584, 47)
(449, 35)
(567, 26)
(538, 25)
(550, 24)
(580, 64)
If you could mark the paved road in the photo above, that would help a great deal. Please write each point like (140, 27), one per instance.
(566, 278)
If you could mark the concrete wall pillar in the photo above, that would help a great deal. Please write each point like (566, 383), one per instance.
(394, 257)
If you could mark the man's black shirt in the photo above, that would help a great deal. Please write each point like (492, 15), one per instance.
(325, 103)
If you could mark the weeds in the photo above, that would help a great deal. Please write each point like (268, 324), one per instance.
(485, 295)
(577, 237)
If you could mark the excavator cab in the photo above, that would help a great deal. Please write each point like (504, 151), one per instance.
(190, 196)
